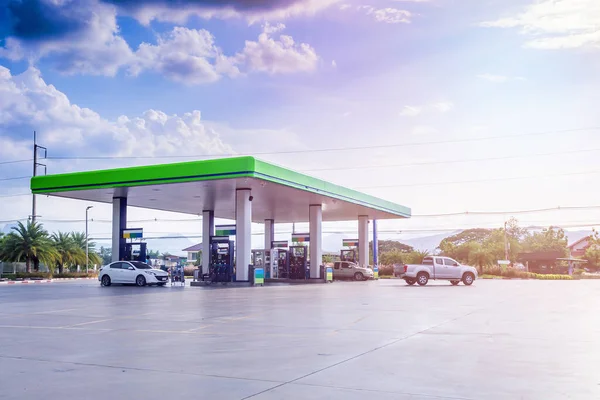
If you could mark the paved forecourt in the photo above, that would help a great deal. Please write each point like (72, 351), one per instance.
(350, 340)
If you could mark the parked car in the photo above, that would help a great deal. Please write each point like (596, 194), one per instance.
(350, 270)
(438, 268)
(135, 272)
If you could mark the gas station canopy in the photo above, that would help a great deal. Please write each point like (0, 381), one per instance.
(190, 187)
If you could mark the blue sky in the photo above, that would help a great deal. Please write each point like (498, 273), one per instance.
(157, 77)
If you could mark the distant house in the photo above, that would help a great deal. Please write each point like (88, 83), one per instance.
(194, 253)
(579, 247)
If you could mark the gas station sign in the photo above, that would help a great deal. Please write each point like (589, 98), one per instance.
(300, 237)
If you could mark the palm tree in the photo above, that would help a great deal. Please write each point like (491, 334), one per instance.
(67, 250)
(29, 243)
(79, 240)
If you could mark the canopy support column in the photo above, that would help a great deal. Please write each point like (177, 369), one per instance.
(315, 216)
(243, 238)
(119, 223)
(375, 244)
(363, 240)
(269, 233)
(208, 230)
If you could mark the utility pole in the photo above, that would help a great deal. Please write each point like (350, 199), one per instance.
(35, 165)
(87, 262)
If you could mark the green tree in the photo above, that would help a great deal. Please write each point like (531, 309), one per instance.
(93, 257)
(68, 253)
(153, 254)
(29, 243)
(549, 239)
(388, 246)
(460, 245)
(106, 255)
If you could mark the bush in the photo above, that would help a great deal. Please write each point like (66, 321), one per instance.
(553, 277)
(26, 275)
(386, 270)
(76, 275)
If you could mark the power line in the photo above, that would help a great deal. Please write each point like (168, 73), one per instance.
(451, 214)
(16, 195)
(15, 161)
(385, 232)
(452, 161)
(477, 139)
(15, 178)
(479, 180)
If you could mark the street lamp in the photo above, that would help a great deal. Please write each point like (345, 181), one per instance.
(86, 239)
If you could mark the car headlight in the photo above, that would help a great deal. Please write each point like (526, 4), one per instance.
(150, 273)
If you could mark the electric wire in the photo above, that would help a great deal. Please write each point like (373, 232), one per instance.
(331, 149)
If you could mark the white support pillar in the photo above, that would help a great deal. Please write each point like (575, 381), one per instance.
(243, 234)
(363, 240)
(269, 233)
(315, 216)
(208, 230)
(119, 222)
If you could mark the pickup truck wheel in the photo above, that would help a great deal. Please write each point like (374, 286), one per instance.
(359, 276)
(454, 283)
(468, 278)
(422, 278)
(410, 281)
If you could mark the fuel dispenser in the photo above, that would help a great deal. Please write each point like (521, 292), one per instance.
(297, 261)
(262, 259)
(348, 255)
(221, 259)
(135, 251)
(283, 263)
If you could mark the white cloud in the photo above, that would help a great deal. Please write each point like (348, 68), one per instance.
(333, 63)
(443, 106)
(180, 14)
(277, 56)
(410, 111)
(185, 55)
(96, 49)
(67, 129)
(388, 15)
(499, 78)
(413, 111)
(556, 24)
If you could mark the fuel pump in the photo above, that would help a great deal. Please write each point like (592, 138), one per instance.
(261, 259)
(221, 259)
(348, 255)
(298, 258)
(135, 251)
(283, 263)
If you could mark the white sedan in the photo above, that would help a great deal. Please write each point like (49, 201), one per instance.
(135, 272)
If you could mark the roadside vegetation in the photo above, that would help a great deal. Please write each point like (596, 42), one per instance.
(62, 252)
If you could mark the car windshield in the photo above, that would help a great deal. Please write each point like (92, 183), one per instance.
(140, 265)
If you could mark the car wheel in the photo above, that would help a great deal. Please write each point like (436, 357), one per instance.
(105, 280)
(410, 281)
(468, 278)
(359, 276)
(454, 283)
(140, 280)
(422, 278)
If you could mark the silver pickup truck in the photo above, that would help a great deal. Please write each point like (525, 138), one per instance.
(436, 268)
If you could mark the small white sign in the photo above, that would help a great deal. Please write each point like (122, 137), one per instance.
(503, 262)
